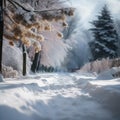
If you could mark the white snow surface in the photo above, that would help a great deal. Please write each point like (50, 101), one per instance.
(60, 96)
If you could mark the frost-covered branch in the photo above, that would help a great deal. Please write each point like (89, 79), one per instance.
(67, 11)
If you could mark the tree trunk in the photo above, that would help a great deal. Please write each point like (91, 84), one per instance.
(24, 59)
(1, 33)
(38, 66)
(35, 63)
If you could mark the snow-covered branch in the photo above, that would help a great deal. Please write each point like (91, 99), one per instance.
(68, 11)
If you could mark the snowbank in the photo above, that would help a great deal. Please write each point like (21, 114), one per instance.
(8, 72)
(60, 97)
(109, 74)
(97, 66)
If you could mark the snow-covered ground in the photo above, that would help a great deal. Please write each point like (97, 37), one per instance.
(60, 96)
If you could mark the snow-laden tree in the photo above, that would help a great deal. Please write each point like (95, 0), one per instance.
(54, 50)
(25, 24)
(105, 42)
(76, 37)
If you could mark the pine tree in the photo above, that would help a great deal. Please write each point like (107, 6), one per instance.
(105, 36)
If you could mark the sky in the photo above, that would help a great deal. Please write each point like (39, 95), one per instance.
(89, 9)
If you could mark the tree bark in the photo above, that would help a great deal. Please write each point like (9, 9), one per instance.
(24, 59)
(38, 66)
(35, 63)
(1, 33)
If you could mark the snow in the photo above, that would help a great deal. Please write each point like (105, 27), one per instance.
(108, 73)
(12, 57)
(60, 96)
(1, 78)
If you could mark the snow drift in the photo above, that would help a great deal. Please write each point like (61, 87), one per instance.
(60, 97)
(99, 66)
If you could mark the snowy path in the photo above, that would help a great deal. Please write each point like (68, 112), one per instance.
(60, 97)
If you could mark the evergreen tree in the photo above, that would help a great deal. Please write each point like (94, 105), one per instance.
(105, 36)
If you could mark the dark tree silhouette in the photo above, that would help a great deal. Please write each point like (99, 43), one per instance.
(1, 33)
(36, 62)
